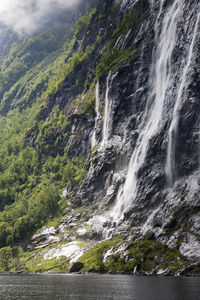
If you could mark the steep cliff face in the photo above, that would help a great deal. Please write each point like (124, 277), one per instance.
(145, 163)
(144, 169)
(143, 172)
(131, 99)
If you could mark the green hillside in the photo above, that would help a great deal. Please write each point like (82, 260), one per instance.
(33, 176)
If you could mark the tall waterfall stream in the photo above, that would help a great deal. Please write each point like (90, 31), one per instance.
(160, 83)
(93, 139)
(108, 113)
(160, 73)
(172, 134)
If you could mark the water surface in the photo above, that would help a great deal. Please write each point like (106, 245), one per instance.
(96, 287)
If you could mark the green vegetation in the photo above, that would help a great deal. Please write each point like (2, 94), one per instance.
(180, 220)
(35, 196)
(35, 165)
(145, 255)
(35, 160)
(38, 264)
(111, 59)
(21, 69)
(83, 22)
(5, 256)
(88, 104)
(16, 259)
(93, 259)
(30, 183)
(130, 20)
(35, 68)
(67, 69)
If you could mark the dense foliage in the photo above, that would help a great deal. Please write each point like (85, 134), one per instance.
(32, 176)
(30, 186)
(35, 164)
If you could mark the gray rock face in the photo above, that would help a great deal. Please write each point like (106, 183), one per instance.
(145, 178)
(194, 223)
(191, 247)
(45, 237)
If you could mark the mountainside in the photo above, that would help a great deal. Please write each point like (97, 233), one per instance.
(100, 142)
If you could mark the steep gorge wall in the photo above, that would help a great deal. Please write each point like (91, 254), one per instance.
(116, 122)
(143, 177)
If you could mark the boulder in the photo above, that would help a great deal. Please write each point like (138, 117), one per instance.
(76, 267)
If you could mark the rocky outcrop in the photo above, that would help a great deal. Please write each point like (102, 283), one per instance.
(44, 238)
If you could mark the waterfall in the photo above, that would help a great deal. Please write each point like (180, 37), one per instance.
(172, 133)
(165, 36)
(108, 111)
(93, 139)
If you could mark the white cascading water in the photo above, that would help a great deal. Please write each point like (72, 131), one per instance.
(172, 133)
(165, 34)
(108, 111)
(93, 139)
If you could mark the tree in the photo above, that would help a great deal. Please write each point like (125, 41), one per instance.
(6, 234)
(5, 256)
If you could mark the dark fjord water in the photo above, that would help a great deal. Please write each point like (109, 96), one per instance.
(96, 287)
